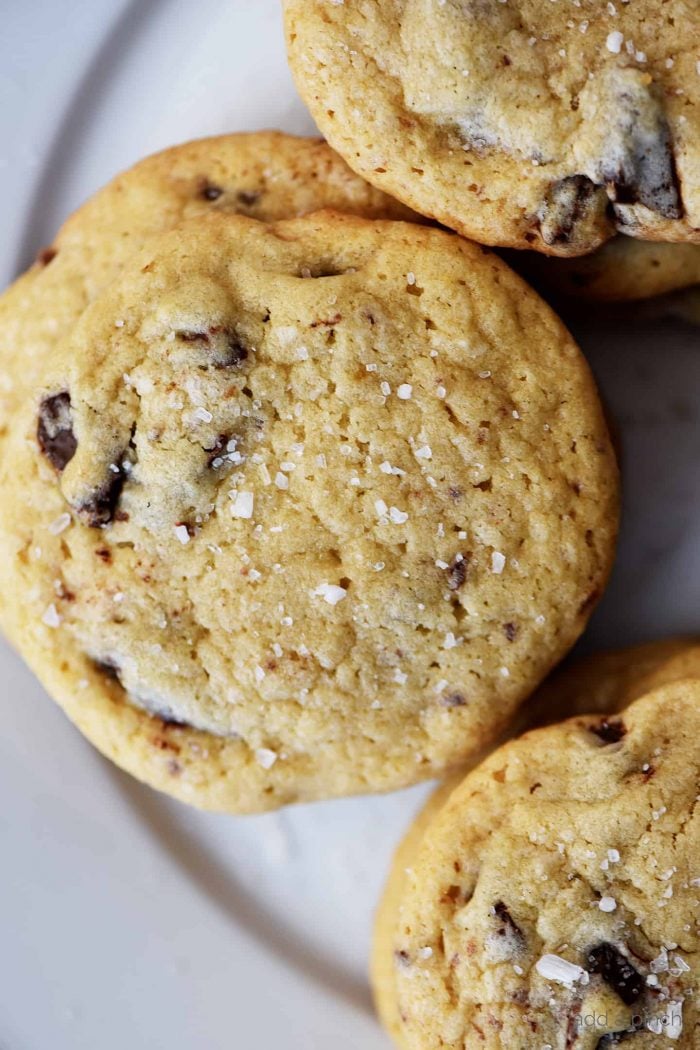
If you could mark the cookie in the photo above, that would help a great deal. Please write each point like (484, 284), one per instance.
(552, 898)
(604, 683)
(623, 270)
(267, 175)
(305, 509)
(524, 124)
(608, 682)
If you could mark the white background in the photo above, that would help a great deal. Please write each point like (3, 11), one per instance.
(125, 919)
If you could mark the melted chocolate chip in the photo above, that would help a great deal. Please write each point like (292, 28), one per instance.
(617, 972)
(609, 731)
(108, 667)
(568, 203)
(54, 430)
(611, 1039)
(208, 191)
(646, 173)
(457, 572)
(510, 630)
(47, 255)
(452, 700)
(509, 925)
(99, 509)
(233, 356)
(248, 197)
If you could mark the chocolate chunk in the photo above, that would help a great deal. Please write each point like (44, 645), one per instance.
(233, 355)
(54, 430)
(510, 630)
(569, 203)
(611, 1039)
(99, 509)
(610, 732)
(248, 197)
(457, 572)
(47, 255)
(616, 971)
(209, 191)
(642, 168)
(108, 667)
(452, 700)
(509, 925)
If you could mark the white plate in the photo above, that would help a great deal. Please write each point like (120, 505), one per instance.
(125, 919)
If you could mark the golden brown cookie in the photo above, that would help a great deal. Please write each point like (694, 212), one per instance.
(525, 124)
(267, 175)
(305, 509)
(623, 270)
(552, 898)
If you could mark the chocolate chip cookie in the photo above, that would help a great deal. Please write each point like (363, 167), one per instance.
(524, 124)
(267, 175)
(305, 509)
(551, 899)
(623, 270)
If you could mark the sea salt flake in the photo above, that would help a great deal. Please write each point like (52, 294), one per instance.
(330, 592)
(182, 534)
(498, 562)
(242, 505)
(51, 617)
(397, 516)
(614, 42)
(202, 414)
(554, 968)
(60, 524)
(265, 757)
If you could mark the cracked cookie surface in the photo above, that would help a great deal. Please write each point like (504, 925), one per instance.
(521, 124)
(266, 175)
(551, 899)
(326, 499)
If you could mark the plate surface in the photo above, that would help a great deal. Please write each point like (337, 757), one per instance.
(126, 919)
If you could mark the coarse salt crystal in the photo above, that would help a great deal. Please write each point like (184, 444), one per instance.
(425, 953)
(202, 414)
(385, 388)
(330, 592)
(405, 391)
(51, 617)
(614, 42)
(265, 757)
(424, 453)
(281, 480)
(182, 534)
(554, 968)
(380, 507)
(400, 676)
(441, 392)
(60, 524)
(398, 516)
(498, 562)
(607, 904)
(242, 505)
